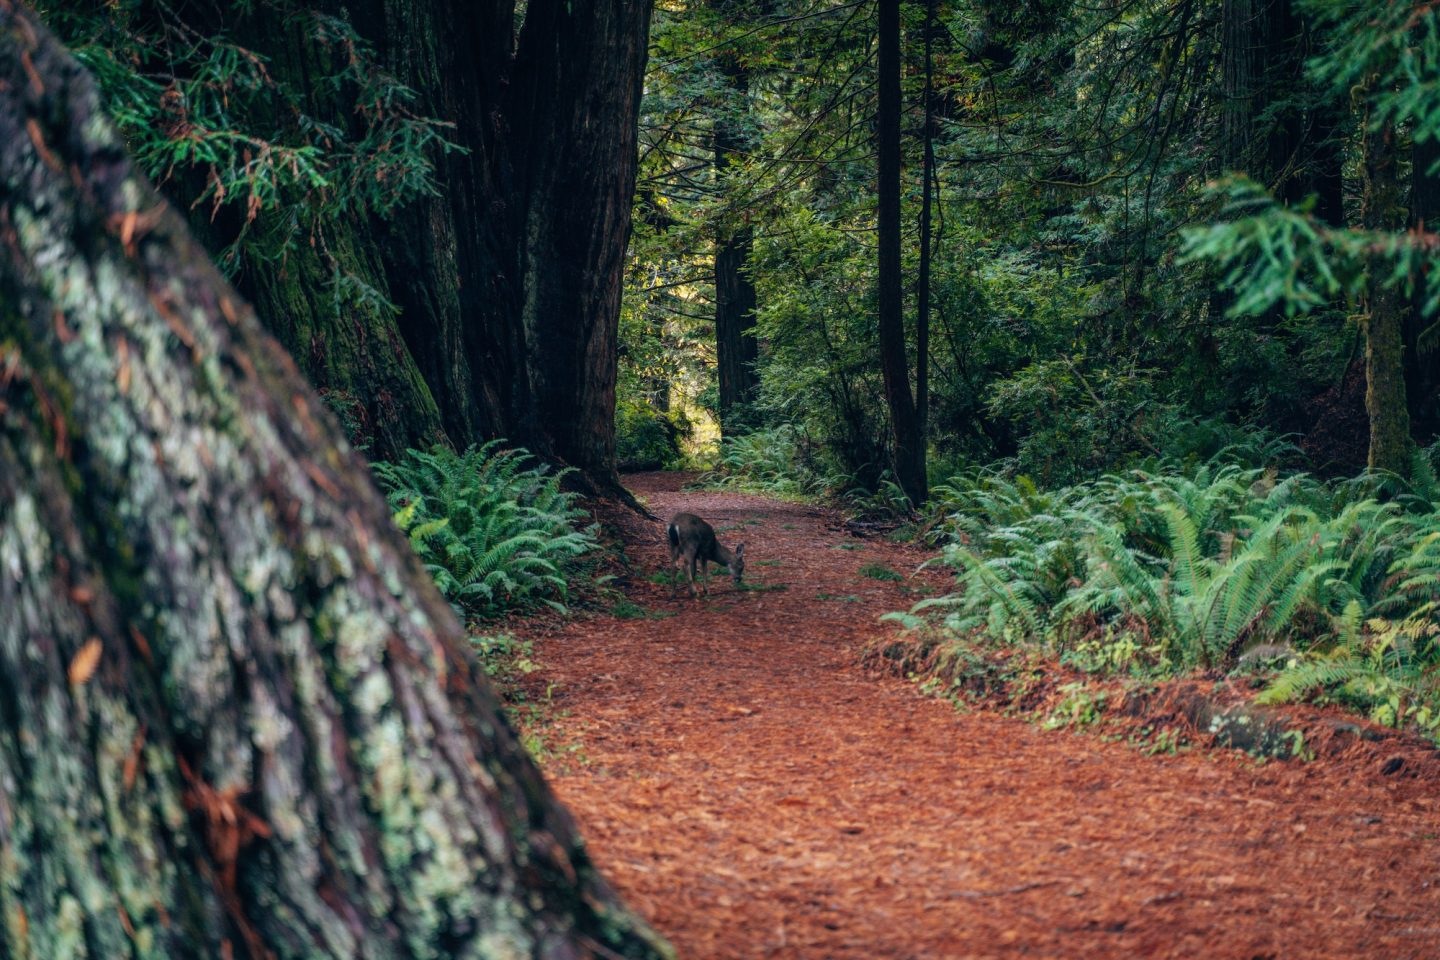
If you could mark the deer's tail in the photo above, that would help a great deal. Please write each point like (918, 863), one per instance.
(673, 534)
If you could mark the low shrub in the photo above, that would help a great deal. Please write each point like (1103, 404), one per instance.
(493, 528)
(1168, 570)
(778, 461)
(645, 438)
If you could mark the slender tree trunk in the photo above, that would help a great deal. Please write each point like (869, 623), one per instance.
(235, 717)
(1383, 318)
(909, 445)
(927, 182)
(735, 348)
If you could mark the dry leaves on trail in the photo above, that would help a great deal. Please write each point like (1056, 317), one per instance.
(754, 794)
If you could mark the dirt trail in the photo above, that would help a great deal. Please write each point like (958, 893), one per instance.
(754, 794)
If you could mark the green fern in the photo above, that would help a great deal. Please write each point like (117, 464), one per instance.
(495, 530)
(1199, 565)
(1391, 669)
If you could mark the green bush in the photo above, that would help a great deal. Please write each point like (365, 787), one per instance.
(778, 461)
(1170, 570)
(645, 438)
(1074, 422)
(494, 530)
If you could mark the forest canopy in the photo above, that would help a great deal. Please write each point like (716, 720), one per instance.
(1148, 227)
(1128, 229)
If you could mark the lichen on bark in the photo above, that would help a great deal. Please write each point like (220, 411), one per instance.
(235, 717)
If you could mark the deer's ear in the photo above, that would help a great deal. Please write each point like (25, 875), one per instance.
(739, 549)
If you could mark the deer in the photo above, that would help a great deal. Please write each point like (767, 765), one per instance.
(694, 540)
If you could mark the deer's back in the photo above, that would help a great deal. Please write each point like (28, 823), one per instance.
(688, 530)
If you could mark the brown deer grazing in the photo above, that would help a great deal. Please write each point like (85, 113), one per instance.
(694, 539)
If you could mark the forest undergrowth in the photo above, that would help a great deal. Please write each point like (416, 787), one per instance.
(1300, 588)
(1281, 583)
(1228, 567)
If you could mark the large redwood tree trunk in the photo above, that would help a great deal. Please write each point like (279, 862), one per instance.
(572, 118)
(510, 281)
(235, 717)
(507, 283)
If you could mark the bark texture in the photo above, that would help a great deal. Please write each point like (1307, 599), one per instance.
(735, 347)
(235, 717)
(508, 282)
(350, 346)
(1383, 318)
(1269, 128)
(572, 115)
(905, 425)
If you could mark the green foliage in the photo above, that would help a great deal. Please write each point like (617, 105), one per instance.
(495, 532)
(1386, 58)
(1091, 215)
(1156, 572)
(878, 571)
(1074, 424)
(1079, 707)
(1273, 255)
(506, 660)
(780, 461)
(886, 499)
(284, 157)
(645, 438)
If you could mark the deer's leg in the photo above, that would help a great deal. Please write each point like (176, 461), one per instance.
(705, 576)
(674, 571)
(690, 572)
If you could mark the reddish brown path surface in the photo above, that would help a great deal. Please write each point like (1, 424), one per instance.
(755, 794)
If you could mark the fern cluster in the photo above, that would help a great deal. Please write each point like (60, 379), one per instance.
(494, 529)
(775, 461)
(1211, 568)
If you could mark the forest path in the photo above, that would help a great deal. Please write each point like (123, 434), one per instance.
(755, 794)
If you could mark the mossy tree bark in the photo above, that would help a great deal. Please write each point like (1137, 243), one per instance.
(235, 717)
(330, 298)
(507, 283)
(1383, 317)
